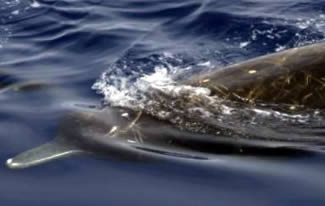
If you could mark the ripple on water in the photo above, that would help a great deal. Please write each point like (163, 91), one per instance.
(15, 10)
(4, 35)
(12, 11)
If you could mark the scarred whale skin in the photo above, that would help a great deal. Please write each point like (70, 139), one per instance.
(294, 77)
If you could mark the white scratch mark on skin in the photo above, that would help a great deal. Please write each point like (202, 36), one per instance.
(125, 114)
(131, 141)
(114, 128)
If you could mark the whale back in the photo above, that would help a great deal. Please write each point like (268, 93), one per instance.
(294, 77)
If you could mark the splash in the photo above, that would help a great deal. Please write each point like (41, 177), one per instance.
(126, 82)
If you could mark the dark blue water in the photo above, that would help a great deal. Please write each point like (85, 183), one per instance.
(64, 46)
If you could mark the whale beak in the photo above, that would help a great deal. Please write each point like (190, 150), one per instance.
(44, 153)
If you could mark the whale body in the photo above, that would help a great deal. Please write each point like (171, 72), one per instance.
(294, 77)
(121, 133)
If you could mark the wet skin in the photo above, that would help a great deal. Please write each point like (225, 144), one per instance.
(123, 134)
(295, 77)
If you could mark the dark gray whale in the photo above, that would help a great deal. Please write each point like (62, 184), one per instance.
(124, 134)
(294, 77)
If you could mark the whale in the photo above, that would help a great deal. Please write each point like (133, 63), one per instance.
(128, 135)
(293, 78)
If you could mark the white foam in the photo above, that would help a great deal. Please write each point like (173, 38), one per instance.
(206, 64)
(280, 48)
(244, 44)
(226, 110)
(125, 90)
(160, 79)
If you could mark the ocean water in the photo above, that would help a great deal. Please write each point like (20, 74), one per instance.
(61, 55)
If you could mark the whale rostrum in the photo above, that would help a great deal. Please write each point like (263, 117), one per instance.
(295, 77)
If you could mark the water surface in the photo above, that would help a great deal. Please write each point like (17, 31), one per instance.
(91, 52)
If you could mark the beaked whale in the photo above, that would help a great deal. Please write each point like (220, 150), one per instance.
(125, 134)
(293, 77)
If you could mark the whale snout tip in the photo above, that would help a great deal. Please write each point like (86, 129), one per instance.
(10, 163)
